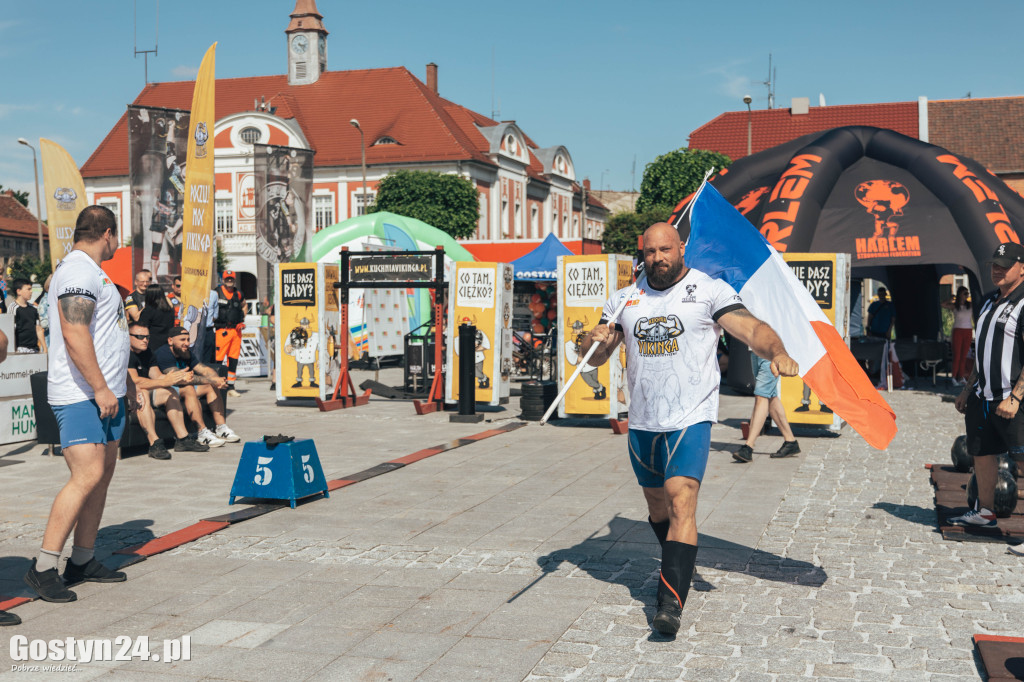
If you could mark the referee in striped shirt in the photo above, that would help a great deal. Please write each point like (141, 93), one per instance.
(991, 398)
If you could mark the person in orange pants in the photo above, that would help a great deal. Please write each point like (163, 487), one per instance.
(229, 325)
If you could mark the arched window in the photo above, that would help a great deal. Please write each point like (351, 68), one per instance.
(250, 135)
(385, 140)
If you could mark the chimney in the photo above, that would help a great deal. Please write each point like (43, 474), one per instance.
(432, 76)
(586, 184)
(800, 106)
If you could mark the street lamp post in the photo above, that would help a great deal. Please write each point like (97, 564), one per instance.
(362, 143)
(747, 99)
(39, 212)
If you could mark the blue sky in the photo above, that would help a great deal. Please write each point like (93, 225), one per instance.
(612, 81)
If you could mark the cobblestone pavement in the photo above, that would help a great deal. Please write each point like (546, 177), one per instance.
(528, 556)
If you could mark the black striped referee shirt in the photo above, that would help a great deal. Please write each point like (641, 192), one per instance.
(998, 346)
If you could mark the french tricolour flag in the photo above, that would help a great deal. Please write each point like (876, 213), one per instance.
(723, 244)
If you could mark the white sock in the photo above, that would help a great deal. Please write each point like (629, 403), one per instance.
(46, 560)
(80, 556)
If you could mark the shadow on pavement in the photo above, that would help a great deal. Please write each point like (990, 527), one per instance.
(628, 554)
(909, 512)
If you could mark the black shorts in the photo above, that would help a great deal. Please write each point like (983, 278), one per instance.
(990, 434)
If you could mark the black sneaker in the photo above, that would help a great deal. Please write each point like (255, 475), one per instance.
(297, 384)
(803, 408)
(48, 585)
(745, 454)
(7, 618)
(91, 572)
(190, 444)
(158, 450)
(826, 409)
(788, 449)
(666, 621)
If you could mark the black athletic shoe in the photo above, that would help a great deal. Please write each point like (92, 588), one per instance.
(313, 384)
(48, 585)
(190, 444)
(7, 618)
(91, 572)
(745, 454)
(826, 409)
(297, 384)
(788, 449)
(666, 621)
(803, 408)
(158, 450)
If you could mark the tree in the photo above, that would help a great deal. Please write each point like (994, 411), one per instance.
(26, 266)
(623, 229)
(448, 202)
(22, 197)
(672, 177)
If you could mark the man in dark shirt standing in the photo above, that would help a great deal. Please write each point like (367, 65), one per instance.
(203, 383)
(881, 315)
(136, 301)
(28, 333)
(140, 365)
(229, 323)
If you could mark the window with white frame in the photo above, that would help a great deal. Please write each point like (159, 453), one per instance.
(565, 226)
(534, 217)
(323, 211)
(504, 219)
(360, 202)
(575, 226)
(519, 220)
(224, 216)
(115, 207)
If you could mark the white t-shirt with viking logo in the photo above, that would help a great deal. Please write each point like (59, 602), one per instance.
(78, 275)
(671, 342)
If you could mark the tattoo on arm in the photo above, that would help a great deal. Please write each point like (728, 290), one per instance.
(1018, 389)
(199, 380)
(77, 309)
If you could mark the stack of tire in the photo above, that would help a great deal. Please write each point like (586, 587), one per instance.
(537, 397)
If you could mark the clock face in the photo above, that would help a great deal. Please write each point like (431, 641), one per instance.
(299, 44)
(323, 45)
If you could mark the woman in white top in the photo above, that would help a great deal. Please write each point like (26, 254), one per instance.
(963, 326)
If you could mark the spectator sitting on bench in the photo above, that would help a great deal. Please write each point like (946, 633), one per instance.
(203, 381)
(158, 392)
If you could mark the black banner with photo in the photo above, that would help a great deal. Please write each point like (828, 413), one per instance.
(157, 144)
(283, 177)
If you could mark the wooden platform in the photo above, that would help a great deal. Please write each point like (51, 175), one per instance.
(951, 500)
(1003, 657)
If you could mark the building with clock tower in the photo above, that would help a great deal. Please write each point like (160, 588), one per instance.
(307, 44)
(526, 191)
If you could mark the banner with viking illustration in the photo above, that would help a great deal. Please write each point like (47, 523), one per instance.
(65, 197)
(283, 179)
(480, 294)
(197, 246)
(584, 284)
(157, 144)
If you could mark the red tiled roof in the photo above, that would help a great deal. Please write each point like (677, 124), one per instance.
(727, 134)
(986, 130)
(16, 220)
(387, 102)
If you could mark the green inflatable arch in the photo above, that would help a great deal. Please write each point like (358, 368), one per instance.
(399, 232)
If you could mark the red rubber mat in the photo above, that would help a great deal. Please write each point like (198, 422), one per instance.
(175, 539)
(951, 500)
(1003, 657)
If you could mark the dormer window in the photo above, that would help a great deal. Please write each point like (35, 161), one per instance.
(385, 140)
(250, 135)
(510, 144)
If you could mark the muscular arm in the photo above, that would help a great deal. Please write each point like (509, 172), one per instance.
(761, 339)
(608, 338)
(75, 315)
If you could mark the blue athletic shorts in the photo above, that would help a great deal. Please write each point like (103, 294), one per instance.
(766, 384)
(656, 456)
(80, 423)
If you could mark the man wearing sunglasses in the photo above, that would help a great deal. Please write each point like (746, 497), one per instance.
(163, 395)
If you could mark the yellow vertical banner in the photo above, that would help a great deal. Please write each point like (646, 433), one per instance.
(197, 245)
(623, 278)
(827, 278)
(300, 369)
(65, 197)
(475, 294)
(584, 284)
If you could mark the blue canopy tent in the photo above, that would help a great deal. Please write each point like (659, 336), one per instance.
(541, 264)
